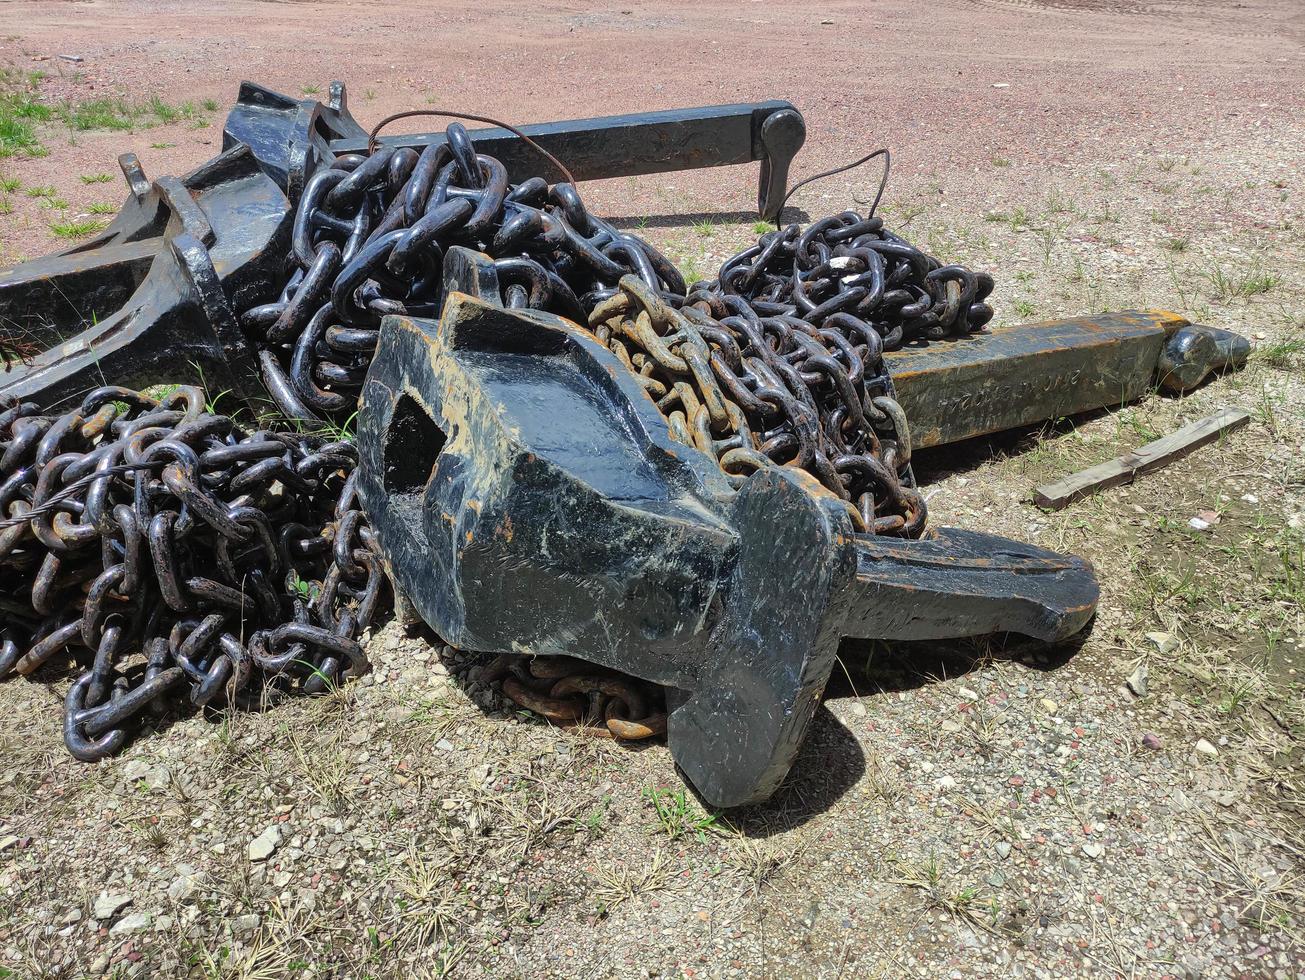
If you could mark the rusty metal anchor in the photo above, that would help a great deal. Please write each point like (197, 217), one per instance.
(528, 497)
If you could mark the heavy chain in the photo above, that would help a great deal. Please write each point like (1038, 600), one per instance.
(755, 391)
(162, 545)
(851, 267)
(166, 547)
(369, 238)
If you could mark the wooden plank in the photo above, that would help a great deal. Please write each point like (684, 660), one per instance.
(1152, 456)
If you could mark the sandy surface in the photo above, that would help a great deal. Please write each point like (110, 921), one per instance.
(955, 812)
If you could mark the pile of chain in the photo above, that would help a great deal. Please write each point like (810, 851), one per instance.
(169, 550)
(177, 556)
(369, 238)
(755, 391)
(852, 267)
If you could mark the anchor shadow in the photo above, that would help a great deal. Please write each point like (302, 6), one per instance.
(832, 760)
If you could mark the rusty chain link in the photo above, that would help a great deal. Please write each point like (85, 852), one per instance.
(755, 391)
(163, 546)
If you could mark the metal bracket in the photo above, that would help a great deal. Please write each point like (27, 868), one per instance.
(593, 149)
(152, 299)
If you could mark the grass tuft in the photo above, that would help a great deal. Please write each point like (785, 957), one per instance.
(78, 228)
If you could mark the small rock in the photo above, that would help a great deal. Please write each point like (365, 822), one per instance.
(244, 924)
(858, 709)
(1003, 849)
(1137, 681)
(1250, 498)
(1198, 524)
(1206, 748)
(1049, 706)
(107, 906)
(1151, 741)
(100, 964)
(183, 888)
(947, 782)
(1001, 84)
(1094, 850)
(136, 922)
(1163, 642)
(967, 694)
(262, 846)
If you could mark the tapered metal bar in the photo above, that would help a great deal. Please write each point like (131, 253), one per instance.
(642, 143)
(965, 583)
(1038, 372)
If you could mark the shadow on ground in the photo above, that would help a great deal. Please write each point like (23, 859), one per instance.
(691, 218)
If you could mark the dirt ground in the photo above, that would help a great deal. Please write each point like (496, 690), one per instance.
(975, 810)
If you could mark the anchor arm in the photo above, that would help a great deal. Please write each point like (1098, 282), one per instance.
(966, 583)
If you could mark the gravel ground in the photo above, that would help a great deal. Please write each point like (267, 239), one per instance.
(973, 809)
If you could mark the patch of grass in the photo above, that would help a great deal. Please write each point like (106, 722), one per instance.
(311, 89)
(54, 204)
(691, 268)
(103, 113)
(1000, 162)
(101, 208)
(165, 113)
(78, 228)
(1023, 308)
(95, 178)
(5, 206)
(44, 190)
(369, 94)
(210, 105)
(706, 228)
(10, 184)
(621, 884)
(761, 227)
(16, 135)
(964, 903)
(1225, 286)
(162, 146)
(1284, 354)
(1176, 243)
(677, 816)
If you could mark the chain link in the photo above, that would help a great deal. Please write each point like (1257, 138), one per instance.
(166, 548)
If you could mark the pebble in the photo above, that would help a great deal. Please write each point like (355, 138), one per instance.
(1163, 642)
(947, 782)
(1137, 681)
(136, 922)
(245, 924)
(1206, 748)
(967, 694)
(262, 846)
(1151, 741)
(183, 887)
(1003, 849)
(107, 906)
(1094, 850)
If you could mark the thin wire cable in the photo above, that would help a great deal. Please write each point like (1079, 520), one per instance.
(883, 181)
(73, 488)
(371, 138)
